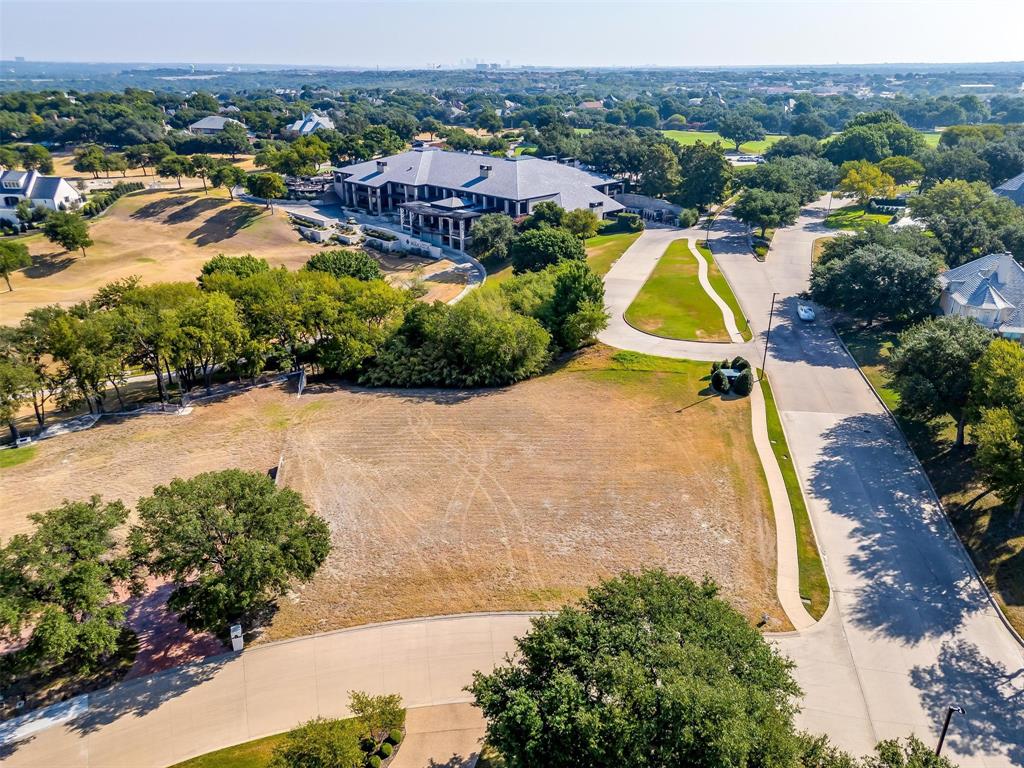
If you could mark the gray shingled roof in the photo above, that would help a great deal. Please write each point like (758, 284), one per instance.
(310, 122)
(8, 177)
(522, 178)
(976, 284)
(213, 122)
(1013, 189)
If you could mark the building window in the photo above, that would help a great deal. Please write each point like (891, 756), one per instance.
(10, 201)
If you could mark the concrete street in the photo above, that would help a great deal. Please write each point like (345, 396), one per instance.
(910, 628)
(160, 720)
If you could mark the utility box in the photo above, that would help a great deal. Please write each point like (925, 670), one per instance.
(237, 643)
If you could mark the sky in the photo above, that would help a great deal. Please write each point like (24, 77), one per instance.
(585, 33)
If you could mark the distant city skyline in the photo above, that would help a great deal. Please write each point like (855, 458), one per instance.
(559, 33)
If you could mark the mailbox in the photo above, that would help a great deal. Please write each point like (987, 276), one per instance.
(237, 643)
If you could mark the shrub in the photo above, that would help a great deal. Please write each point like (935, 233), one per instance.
(739, 364)
(631, 222)
(719, 382)
(374, 761)
(688, 217)
(538, 248)
(744, 383)
(395, 736)
(319, 742)
(344, 263)
(716, 365)
(386, 750)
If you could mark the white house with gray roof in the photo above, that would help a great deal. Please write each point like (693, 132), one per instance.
(311, 123)
(437, 194)
(990, 290)
(212, 125)
(1013, 189)
(51, 192)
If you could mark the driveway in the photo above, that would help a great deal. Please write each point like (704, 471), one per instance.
(910, 628)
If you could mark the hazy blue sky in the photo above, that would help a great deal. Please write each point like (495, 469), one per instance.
(414, 33)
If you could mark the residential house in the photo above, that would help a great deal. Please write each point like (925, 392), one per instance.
(311, 123)
(990, 290)
(212, 125)
(437, 194)
(51, 192)
(1013, 189)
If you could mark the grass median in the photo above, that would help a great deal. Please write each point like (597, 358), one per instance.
(724, 290)
(813, 583)
(673, 304)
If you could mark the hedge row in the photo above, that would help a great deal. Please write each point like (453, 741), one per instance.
(103, 200)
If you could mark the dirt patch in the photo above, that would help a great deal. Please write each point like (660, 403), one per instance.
(442, 501)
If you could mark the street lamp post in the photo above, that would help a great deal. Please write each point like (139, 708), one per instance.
(768, 335)
(945, 726)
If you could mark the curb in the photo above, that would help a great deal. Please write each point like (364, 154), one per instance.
(935, 496)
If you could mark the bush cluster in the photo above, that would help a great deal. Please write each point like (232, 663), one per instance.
(741, 385)
(100, 201)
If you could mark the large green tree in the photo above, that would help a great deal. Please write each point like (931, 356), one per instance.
(877, 281)
(740, 129)
(493, 233)
(344, 262)
(266, 185)
(705, 175)
(967, 219)
(174, 167)
(68, 230)
(13, 256)
(763, 209)
(538, 248)
(59, 584)
(231, 541)
(997, 406)
(931, 368)
(649, 670)
(229, 176)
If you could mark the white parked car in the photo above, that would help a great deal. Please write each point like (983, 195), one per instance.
(805, 312)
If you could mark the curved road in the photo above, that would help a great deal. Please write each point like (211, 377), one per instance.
(910, 628)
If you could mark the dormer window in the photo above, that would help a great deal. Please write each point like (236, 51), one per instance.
(12, 185)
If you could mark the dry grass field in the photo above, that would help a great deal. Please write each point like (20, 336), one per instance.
(165, 235)
(446, 501)
(63, 165)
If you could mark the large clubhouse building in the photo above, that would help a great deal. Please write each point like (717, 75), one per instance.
(438, 194)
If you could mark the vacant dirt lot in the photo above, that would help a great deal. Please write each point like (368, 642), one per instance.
(168, 235)
(441, 502)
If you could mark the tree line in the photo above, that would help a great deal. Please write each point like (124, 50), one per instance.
(336, 315)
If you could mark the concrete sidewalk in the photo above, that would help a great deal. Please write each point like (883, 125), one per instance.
(160, 720)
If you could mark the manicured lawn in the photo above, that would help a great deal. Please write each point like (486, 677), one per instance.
(15, 456)
(723, 289)
(251, 754)
(762, 244)
(931, 138)
(986, 525)
(686, 138)
(854, 217)
(672, 302)
(604, 250)
(813, 584)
